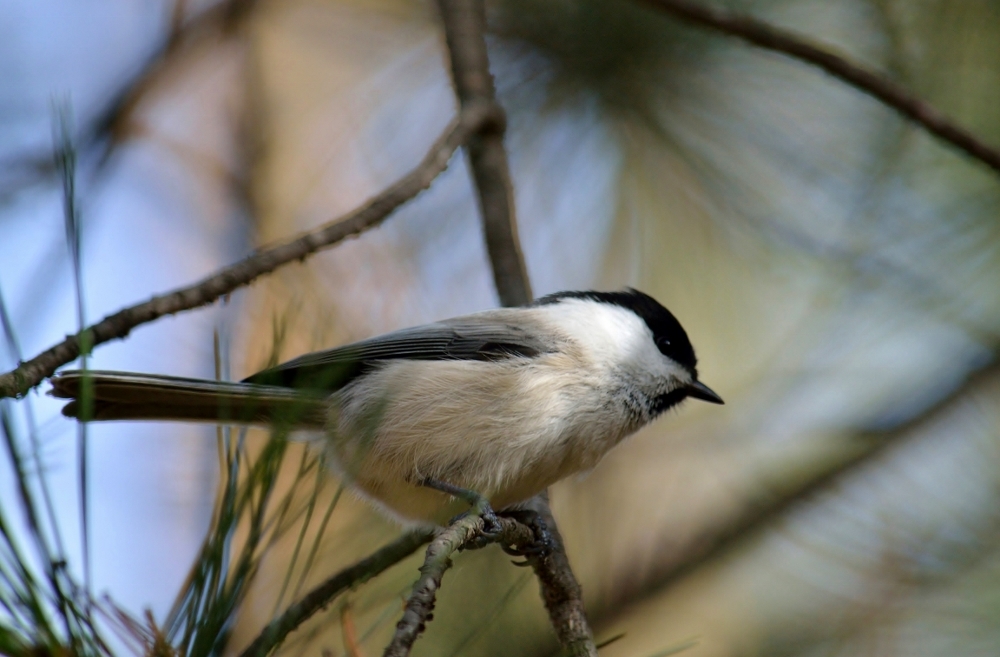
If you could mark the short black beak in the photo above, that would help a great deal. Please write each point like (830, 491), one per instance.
(699, 390)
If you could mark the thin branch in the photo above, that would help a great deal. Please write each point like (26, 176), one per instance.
(317, 599)
(464, 531)
(874, 84)
(464, 26)
(30, 373)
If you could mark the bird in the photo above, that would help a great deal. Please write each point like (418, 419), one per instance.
(494, 406)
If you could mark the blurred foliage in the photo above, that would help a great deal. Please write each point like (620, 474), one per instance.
(46, 612)
(621, 55)
(835, 266)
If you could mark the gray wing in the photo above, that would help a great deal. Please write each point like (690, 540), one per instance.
(485, 337)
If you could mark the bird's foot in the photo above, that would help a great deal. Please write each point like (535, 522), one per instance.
(541, 547)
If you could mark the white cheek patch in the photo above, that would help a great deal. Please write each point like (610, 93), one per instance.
(605, 331)
(617, 339)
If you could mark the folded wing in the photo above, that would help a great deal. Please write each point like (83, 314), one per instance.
(478, 337)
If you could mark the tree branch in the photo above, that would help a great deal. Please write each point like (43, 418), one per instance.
(317, 599)
(561, 593)
(464, 26)
(875, 85)
(30, 373)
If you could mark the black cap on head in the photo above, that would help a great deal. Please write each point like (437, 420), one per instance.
(669, 335)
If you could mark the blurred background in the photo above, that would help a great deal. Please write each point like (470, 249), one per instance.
(835, 267)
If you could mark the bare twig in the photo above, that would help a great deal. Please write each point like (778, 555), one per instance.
(878, 86)
(464, 26)
(421, 602)
(296, 614)
(30, 373)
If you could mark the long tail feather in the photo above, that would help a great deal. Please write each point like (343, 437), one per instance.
(130, 396)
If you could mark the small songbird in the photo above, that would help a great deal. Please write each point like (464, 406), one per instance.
(501, 403)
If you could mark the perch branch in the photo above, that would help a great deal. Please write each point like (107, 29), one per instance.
(561, 592)
(874, 84)
(465, 25)
(420, 604)
(30, 373)
(296, 614)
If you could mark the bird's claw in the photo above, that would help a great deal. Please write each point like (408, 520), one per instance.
(491, 523)
(491, 526)
(540, 547)
(543, 544)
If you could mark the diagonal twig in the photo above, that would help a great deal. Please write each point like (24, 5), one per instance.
(296, 614)
(459, 534)
(30, 373)
(874, 84)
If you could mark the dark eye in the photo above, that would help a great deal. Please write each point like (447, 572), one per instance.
(663, 343)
